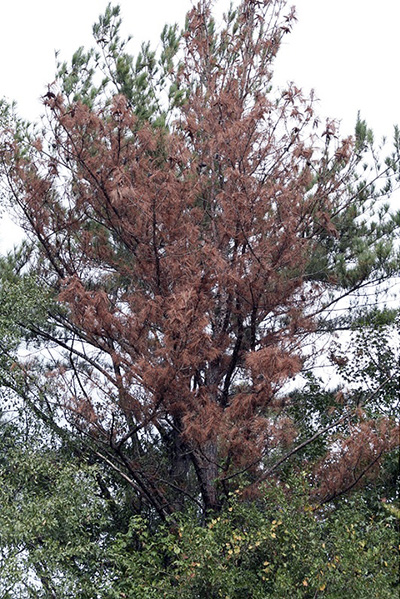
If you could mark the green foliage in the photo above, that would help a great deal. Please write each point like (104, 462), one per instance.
(58, 539)
(364, 136)
(275, 547)
(373, 362)
(364, 245)
(23, 300)
(24, 305)
(51, 521)
(111, 69)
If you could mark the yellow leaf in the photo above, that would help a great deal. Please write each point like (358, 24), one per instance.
(322, 587)
(273, 535)
(305, 583)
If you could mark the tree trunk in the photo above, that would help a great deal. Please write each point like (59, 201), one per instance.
(208, 476)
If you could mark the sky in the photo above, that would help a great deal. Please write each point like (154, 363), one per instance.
(346, 50)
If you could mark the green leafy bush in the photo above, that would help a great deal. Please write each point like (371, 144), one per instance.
(274, 547)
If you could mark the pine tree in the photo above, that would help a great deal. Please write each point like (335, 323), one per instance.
(194, 230)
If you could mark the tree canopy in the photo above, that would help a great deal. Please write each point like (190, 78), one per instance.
(193, 234)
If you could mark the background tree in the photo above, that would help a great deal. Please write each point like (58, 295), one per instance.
(193, 230)
(52, 519)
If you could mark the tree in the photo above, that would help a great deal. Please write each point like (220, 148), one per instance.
(276, 546)
(52, 519)
(193, 230)
(61, 536)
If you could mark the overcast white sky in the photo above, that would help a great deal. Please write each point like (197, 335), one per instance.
(347, 50)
